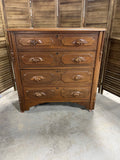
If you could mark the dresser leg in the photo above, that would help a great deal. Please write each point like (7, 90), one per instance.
(85, 104)
(21, 110)
(21, 102)
(92, 105)
(23, 107)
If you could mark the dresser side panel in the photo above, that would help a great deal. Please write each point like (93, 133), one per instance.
(15, 60)
(96, 70)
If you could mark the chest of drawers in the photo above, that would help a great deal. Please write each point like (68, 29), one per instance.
(56, 65)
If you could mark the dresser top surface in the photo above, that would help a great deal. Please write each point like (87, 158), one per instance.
(56, 29)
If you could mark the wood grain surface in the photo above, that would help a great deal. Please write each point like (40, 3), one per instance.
(67, 74)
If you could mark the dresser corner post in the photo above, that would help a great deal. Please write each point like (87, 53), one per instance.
(21, 103)
(92, 105)
(17, 71)
(85, 104)
(96, 70)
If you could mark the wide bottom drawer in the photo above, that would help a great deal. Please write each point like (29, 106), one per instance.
(57, 94)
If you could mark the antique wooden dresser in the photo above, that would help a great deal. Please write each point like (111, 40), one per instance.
(56, 65)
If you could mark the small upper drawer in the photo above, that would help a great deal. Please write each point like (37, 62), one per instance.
(34, 41)
(78, 41)
(37, 59)
(76, 58)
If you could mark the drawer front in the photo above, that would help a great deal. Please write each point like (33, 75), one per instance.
(40, 93)
(75, 93)
(76, 76)
(79, 59)
(55, 94)
(39, 77)
(34, 41)
(38, 59)
(56, 77)
(78, 41)
(37, 41)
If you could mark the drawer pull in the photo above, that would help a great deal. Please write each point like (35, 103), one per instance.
(78, 59)
(79, 42)
(77, 77)
(35, 42)
(76, 93)
(37, 78)
(39, 94)
(36, 59)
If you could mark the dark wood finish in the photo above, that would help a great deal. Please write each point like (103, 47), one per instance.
(53, 41)
(53, 94)
(81, 59)
(38, 59)
(29, 42)
(66, 77)
(15, 61)
(78, 41)
(69, 73)
(96, 70)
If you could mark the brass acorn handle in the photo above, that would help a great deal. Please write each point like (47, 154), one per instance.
(36, 59)
(77, 77)
(78, 59)
(35, 42)
(79, 42)
(37, 78)
(39, 94)
(76, 93)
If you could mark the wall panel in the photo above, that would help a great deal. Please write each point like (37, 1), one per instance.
(96, 13)
(111, 81)
(44, 13)
(116, 20)
(70, 13)
(6, 78)
(17, 13)
(112, 71)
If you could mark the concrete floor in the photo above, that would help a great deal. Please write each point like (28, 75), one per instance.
(59, 131)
